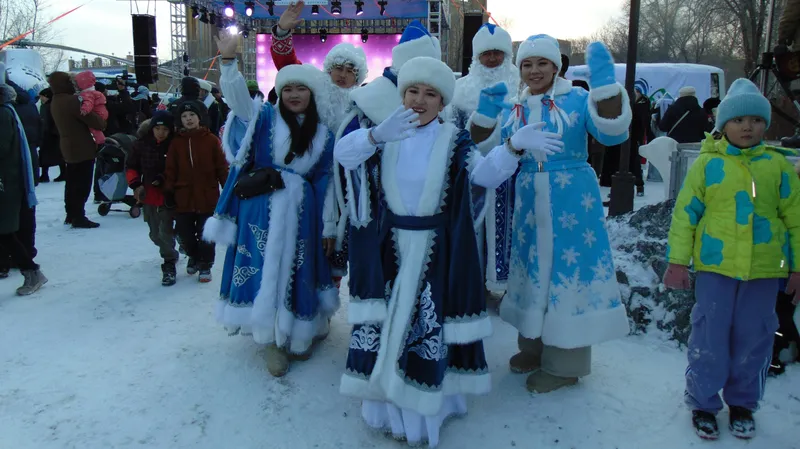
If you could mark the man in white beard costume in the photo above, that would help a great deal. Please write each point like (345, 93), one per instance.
(346, 65)
(492, 52)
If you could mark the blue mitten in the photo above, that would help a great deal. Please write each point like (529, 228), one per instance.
(492, 100)
(600, 64)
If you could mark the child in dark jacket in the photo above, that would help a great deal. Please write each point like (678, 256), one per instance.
(196, 169)
(145, 173)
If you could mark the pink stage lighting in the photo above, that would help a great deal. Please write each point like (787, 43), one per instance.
(310, 50)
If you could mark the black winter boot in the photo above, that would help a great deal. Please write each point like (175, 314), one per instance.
(705, 425)
(168, 274)
(191, 267)
(84, 223)
(742, 425)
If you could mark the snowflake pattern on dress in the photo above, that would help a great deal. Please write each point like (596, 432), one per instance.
(366, 338)
(242, 249)
(568, 220)
(301, 253)
(242, 274)
(563, 179)
(431, 347)
(260, 236)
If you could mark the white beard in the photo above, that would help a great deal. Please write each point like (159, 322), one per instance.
(335, 106)
(468, 89)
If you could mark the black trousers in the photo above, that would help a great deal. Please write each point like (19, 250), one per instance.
(77, 188)
(190, 230)
(611, 164)
(26, 234)
(11, 245)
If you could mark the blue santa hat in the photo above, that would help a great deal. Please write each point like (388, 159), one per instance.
(416, 41)
(492, 37)
(542, 46)
(743, 99)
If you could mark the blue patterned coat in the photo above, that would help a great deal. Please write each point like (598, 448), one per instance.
(562, 285)
(415, 282)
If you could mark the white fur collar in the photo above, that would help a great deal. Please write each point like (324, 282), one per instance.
(438, 168)
(561, 87)
(280, 146)
(468, 88)
(377, 100)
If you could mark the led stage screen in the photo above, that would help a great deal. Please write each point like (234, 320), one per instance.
(310, 50)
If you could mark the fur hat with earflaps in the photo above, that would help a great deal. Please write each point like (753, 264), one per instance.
(743, 99)
(492, 37)
(428, 71)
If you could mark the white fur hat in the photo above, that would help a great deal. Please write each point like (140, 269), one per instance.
(430, 71)
(542, 46)
(304, 74)
(348, 54)
(492, 37)
(687, 91)
(416, 41)
(204, 85)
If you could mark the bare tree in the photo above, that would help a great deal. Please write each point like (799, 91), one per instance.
(20, 16)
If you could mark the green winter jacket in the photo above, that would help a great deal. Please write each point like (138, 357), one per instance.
(738, 213)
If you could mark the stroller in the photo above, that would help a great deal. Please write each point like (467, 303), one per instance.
(111, 175)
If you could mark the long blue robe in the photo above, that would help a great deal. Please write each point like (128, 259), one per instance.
(417, 300)
(276, 281)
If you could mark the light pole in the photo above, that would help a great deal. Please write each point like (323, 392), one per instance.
(623, 182)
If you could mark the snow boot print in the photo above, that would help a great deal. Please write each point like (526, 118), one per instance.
(34, 280)
(705, 425)
(168, 274)
(742, 425)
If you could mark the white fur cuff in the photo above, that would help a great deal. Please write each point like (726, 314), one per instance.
(483, 121)
(220, 230)
(328, 301)
(467, 331)
(363, 311)
(615, 126)
(606, 92)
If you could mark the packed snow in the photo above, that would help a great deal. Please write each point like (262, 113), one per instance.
(105, 357)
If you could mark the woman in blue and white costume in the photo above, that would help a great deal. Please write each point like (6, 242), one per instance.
(416, 348)
(276, 282)
(562, 295)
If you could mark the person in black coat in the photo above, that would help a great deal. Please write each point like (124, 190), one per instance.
(121, 108)
(640, 135)
(685, 121)
(49, 148)
(190, 91)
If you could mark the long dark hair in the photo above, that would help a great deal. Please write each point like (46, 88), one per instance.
(301, 135)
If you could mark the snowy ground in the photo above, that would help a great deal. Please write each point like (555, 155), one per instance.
(104, 357)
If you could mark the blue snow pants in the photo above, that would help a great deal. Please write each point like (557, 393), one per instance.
(730, 346)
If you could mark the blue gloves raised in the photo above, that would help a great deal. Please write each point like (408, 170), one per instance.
(600, 64)
(492, 100)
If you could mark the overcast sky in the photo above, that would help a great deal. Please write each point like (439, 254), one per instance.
(104, 26)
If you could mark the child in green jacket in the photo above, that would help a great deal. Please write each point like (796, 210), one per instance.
(737, 218)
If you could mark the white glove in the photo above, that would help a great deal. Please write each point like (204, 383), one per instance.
(532, 138)
(401, 125)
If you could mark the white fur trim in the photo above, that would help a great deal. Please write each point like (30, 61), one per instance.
(585, 330)
(467, 331)
(429, 71)
(348, 54)
(280, 146)
(279, 257)
(543, 47)
(330, 211)
(304, 74)
(484, 40)
(424, 46)
(359, 216)
(220, 230)
(483, 121)
(377, 100)
(328, 301)
(453, 383)
(239, 159)
(363, 311)
(605, 92)
(615, 126)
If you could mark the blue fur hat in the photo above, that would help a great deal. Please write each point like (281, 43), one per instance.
(743, 99)
(416, 41)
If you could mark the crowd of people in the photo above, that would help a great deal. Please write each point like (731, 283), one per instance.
(414, 176)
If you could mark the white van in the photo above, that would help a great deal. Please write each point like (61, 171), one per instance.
(659, 80)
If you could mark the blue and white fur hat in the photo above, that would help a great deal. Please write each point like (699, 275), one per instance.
(542, 46)
(430, 71)
(492, 37)
(743, 99)
(416, 41)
